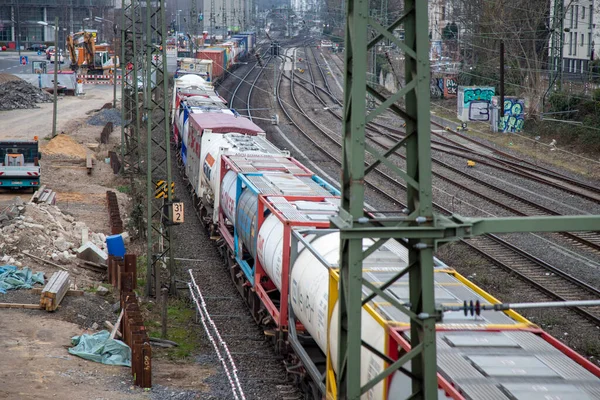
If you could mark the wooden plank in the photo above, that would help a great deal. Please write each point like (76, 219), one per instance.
(109, 325)
(20, 305)
(70, 292)
(44, 261)
(114, 331)
(93, 264)
(36, 196)
(91, 268)
(51, 199)
(88, 163)
(55, 290)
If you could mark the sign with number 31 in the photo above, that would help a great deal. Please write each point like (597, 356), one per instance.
(177, 216)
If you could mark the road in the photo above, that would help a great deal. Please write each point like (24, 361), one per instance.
(9, 62)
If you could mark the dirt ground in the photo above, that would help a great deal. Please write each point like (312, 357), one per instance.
(35, 362)
(25, 124)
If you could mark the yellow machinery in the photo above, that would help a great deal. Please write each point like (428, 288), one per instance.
(87, 57)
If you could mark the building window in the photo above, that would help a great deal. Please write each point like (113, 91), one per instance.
(571, 17)
(576, 16)
(5, 13)
(581, 44)
(570, 43)
(589, 53)
(6, 34)
(582, 12)
(575, 43)
(591, 16)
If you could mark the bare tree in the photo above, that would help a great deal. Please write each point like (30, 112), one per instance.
(524, 26)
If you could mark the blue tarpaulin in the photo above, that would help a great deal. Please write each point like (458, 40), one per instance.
(100, 348)
(13, 278)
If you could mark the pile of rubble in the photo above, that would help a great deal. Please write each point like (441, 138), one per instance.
(20, 94)
(43, 231)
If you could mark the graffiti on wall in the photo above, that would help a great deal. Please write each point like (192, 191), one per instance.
(514, 115)
(443, 88)
(450, 87)
(474, 103)
(434, 88)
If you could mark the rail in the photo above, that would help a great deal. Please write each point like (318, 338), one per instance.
(227, 362)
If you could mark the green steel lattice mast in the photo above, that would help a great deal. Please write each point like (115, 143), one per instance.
(420, 226)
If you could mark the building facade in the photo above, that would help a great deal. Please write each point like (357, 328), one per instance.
(20, 19)
(579, 27)
(221, 17)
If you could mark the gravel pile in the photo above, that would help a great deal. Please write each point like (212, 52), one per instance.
(20, 94)
(105, 116)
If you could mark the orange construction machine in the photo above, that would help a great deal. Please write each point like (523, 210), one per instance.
(87, 57)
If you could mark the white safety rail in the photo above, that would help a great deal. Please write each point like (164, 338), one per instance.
(228, 364)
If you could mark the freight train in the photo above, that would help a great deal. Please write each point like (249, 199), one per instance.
(269, 216)
(218, 60)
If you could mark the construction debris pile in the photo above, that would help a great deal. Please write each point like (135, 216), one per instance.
(20, 95)
(42, 231)
(106, 115)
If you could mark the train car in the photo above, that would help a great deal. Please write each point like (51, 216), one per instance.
(493, 355)
(219, 58)
(187, 86)
(242, 44)
(194, 66)
(195, 103)
(211, 136)
(233, 52)
(262, 198)
(251, 37)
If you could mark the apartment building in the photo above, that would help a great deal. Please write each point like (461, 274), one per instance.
(580, 35)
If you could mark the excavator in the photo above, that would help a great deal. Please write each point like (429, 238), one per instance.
(87, 57)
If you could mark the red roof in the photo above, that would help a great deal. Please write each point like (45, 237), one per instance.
(225, 123)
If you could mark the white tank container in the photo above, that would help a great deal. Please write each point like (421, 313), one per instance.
(228, 189)
(309, 298)
(191, 80)
(270, 248)
(310, 287)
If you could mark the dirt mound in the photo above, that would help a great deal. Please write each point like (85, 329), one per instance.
(8, 78)
(64, 145)
(18, 94)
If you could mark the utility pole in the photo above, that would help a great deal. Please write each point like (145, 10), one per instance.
(56, 67)
(18, 30)
(158, 157)
(501, 105)
(193, 27)
(224, 19)
(212, 21)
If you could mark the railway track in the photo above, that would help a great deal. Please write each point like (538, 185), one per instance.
(495, 158)
(511, 202)
(546, 278)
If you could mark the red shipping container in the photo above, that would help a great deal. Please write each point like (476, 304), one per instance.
(218, 58)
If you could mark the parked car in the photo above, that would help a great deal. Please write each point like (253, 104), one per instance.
(61, 57)
(37, 47)
(49, 52)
